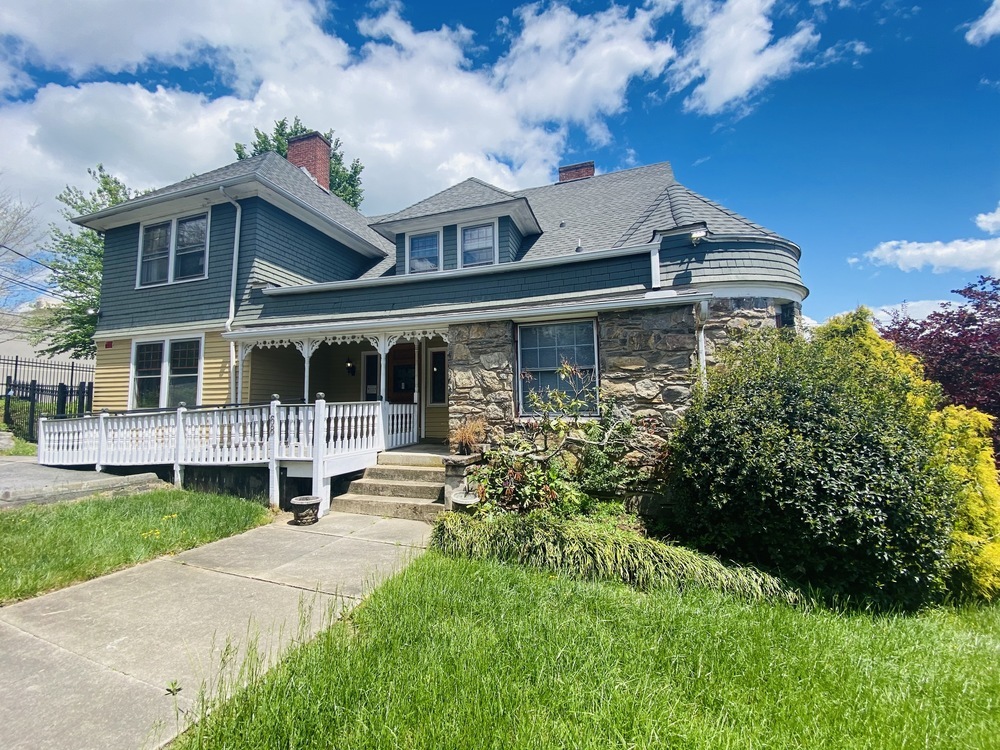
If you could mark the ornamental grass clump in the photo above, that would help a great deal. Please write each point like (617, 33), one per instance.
(830, 462)
(595, 550)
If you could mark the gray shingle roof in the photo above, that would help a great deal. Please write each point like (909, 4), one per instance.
(470, 193)
(623, 208)
(278, 171)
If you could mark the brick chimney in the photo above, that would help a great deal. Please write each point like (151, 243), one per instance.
(576, 171)
(312, 151)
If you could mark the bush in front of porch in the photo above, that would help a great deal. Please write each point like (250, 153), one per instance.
(48, 547)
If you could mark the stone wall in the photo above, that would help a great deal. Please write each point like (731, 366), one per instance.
(481, 372)
(648, 359)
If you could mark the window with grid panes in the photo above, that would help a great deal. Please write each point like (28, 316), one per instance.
(173, 250)
(543, 349)
(166, 373)
(425, 253)
(478, 245)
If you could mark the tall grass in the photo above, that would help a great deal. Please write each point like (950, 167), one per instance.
(457, 653)
(50, 546)
(598, 551)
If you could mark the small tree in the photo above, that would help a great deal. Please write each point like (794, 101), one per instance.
(345, 180)
(959, 346)
(78, 258)
(829, 462)
(21, 275)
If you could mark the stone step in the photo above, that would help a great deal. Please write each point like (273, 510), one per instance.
(409, 458)
(415, 508)
(394, 472)
(397, 488)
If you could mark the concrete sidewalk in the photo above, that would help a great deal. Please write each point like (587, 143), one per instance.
(23, 480)
(88, 666)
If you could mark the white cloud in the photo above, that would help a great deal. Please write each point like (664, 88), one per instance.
(734, 54)
(986, 27)
(990, 222)
(417, 107)
(960, 255)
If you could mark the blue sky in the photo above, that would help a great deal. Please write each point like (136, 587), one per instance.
(866, 131)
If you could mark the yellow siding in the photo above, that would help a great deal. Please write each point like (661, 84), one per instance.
(111, 374)
(437, 422)
(215, 371)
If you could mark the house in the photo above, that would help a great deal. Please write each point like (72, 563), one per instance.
(253, 280)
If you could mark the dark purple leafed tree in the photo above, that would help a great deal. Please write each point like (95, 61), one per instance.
(959, 345)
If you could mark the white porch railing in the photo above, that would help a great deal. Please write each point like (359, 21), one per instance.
(349, 434)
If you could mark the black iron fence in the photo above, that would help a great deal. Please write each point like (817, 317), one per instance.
(36, 388)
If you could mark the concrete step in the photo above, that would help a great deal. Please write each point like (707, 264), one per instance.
(394, 472)
(397, 488)
(415, 508)
(409, 458)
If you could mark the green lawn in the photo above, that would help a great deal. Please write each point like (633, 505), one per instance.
(45, 547)
(467, 654)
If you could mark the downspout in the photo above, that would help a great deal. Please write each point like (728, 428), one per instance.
(234, 397)
(701, 315)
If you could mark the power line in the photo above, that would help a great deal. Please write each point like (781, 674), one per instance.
(34, 287)
(27, 257)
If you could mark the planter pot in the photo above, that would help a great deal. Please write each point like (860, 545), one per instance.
(306, 509)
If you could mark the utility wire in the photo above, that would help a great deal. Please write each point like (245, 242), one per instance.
(27, 257)
(34, 287)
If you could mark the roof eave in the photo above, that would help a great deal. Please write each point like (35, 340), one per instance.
(519, 209)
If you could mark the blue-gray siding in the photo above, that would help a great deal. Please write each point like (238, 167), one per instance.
(509, 240)
(628, 272)
(746, 263)
(124, 306)
(449, 245)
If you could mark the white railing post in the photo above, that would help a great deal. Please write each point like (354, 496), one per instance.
(320, 482)
(42, 443)
(273, 493)
(179, 447)
(102, 438)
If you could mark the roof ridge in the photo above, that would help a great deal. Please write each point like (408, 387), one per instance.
(641, 219)
(727, 211)
(485, 184)
(601, 176)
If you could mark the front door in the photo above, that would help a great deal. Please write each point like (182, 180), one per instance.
(370, 379)
(402, 370)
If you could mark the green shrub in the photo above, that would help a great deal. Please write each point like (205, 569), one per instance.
(820, 460)
(593, 550)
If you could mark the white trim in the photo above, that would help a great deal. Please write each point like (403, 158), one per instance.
(167, 329)
(518, 209)
(172, 249)
(165, 365)
(439, 233)
(521, 265)
(495, 223)
(540, 313)
(775, 290)
(520, 381)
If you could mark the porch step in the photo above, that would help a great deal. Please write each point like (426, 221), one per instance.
(415, 508)
(397, 488)
(408, 458)
(395, 472)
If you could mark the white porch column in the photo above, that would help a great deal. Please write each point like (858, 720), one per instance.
(306, 348)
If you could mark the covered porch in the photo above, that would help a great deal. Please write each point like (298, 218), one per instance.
(395, 367)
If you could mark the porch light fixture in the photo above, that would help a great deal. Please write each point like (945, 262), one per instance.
(351, 369)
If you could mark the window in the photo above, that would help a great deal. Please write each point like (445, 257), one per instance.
(173, 250)
(166, 373)
(478, 244)
(544, 349)
(423, 252)
(438, 377)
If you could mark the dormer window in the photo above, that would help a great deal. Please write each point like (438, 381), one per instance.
(478, 244)
(174, 250)
(423, 252)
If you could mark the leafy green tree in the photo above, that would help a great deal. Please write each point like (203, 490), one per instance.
(345, 180)
(832, 463)
(77, 263)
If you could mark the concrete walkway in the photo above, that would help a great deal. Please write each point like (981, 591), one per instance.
(88, 666)
(23, 481)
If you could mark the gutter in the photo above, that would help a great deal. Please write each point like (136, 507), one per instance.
(234, 398)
